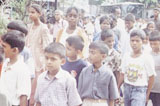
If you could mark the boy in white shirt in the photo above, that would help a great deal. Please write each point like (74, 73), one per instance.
(15, 76)
(138, 72)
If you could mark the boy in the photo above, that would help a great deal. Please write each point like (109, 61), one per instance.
(74, 47)
(56, 87)
(113, 59)
(15, 76)
(155, 45)
(26, 54)
(137, 72)
(97, 84)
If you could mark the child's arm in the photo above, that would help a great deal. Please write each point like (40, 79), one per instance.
(150, 84)
(120, 81)
(23, 100)
(38, 104)
(111, 103)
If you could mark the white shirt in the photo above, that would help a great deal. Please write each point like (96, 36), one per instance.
(137, 70)
(16, 81)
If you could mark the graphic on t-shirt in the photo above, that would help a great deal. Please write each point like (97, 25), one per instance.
(133, 72)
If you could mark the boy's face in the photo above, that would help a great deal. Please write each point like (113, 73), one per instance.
(151, 27)
(110, 42)
(105, 25)
(70, 51)
(57, 16)
(136, 43)
(155, 45)
(53, 62)
(95, 57)
(8, 50)
(146, 40)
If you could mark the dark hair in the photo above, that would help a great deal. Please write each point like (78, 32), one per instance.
(154, 36)
(15, 39)
(138, 32)
(130, 17)
(106, 33)
(100, 46)
(37, 7)
(151, 22)
(72, 8)
(103, 18)
(76, 41)
(56, 48)
(1, 54)
(18, 25)
(147, 32)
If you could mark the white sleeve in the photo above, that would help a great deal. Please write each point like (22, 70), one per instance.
(24, 83)
(123, 64)
(149, 65)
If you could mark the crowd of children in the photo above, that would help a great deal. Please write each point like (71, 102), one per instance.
(71, 63)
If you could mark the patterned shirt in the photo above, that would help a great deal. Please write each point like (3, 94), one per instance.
(60, 91)
(113, 60)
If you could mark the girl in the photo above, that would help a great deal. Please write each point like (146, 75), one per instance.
(72, 29)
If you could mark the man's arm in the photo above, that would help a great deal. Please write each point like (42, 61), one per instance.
(23, 100)
(150, 84)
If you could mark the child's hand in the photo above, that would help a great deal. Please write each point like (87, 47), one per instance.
(74, 73)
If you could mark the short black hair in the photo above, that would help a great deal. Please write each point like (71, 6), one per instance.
(106, 33)
(15, 39)
(154, 36)
(18, 25)
(100, 46)
(138, 32)
(56, 48)
(2, 56)
(76, 41)
(129, 17)
(103, 18)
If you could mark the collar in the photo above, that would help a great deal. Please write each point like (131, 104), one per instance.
(100, 70)
(57, 76)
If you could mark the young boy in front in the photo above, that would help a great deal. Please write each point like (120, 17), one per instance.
(155, 45)
(56, 87)
(74, 64)
(97, 84)
(15, 75)
(113, 59)
(137, 72)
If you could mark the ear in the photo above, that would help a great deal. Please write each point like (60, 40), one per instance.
(63, 61)
(104, 56)
(15, 50)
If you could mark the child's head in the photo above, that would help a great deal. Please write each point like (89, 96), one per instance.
(13, 43)
(108, 37)
(154, 40)
(105, 22)
(58, 15)
(146, 39)
(129, 21)
(34, 12)
(17, 25)
(74, 46)
(151, 26)
(97, 52)
(54, 56)
(72, 16)
(136, 40)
